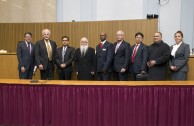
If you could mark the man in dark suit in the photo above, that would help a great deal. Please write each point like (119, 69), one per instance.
(45, 51)
(104, 57)
(26, 57)
(158, 57)
(84, 61)
(121, 57)
(139, 57)
(64, 59)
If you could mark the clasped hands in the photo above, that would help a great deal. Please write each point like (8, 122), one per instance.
(151, 63)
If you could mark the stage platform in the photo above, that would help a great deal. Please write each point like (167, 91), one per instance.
(96, 103)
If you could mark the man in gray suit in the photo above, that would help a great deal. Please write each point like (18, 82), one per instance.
(121, 57)
(64, 59)
(139, 57)
(104, 57)
(26, 57)
(45, 51)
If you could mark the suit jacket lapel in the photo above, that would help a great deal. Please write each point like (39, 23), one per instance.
(60, 52)
(44, 46)
(86, 53)
(26, 46)
(139, 49)
(121, 45)
(103, 46)
(67, 50)
(179, 49)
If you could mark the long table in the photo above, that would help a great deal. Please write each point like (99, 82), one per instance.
(96, 103)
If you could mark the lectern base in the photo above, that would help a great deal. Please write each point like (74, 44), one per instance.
(34, 81)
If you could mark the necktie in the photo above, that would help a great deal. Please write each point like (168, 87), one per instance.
(134, 53)
(83, 53)
(49, 51)
(117, 46)
(29, 47)
(63, 53)
(100, 45)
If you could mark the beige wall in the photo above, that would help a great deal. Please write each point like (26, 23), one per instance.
(20, 11)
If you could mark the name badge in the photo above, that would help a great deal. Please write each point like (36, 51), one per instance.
(104, 49)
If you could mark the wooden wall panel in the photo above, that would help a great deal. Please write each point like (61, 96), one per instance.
(11, 33)
(8, 68)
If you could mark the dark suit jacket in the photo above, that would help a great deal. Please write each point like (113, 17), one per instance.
(25, 59)
(41, 54)
(85, 65)
(181, 58)
(160, 52)
(104, 57)
(140, 60)
(122, 56)
(68, 58)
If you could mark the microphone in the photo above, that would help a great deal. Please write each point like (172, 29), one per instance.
(34, 80)
(34, 70)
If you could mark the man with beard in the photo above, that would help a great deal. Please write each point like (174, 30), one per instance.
(104, 57)
(84, 61)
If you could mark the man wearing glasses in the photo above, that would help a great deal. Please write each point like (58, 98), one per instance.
(64, 58)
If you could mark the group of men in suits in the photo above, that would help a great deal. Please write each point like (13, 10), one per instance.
(118, 58)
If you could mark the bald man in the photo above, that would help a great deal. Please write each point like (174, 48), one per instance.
(159, 54)
(104, 57)
(85, 61)
(122, 53)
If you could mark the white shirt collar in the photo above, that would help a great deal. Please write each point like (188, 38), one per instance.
(103, 42)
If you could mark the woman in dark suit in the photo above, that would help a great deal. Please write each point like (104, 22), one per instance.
(180, 53)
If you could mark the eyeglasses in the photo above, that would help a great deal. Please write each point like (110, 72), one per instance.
(119, 34)
(65, 40)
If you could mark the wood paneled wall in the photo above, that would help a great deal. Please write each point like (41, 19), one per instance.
(9, 64)
(11, 33)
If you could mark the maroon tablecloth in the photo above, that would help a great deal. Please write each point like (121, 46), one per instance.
(55, 105)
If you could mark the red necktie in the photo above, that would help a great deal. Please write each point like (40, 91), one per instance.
(134, 53)
(100, 45)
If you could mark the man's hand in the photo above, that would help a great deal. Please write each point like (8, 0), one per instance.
(173, 68)
(23, 69)
(151, 63)
(63, 65)
(40, 67)
(123, 70)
